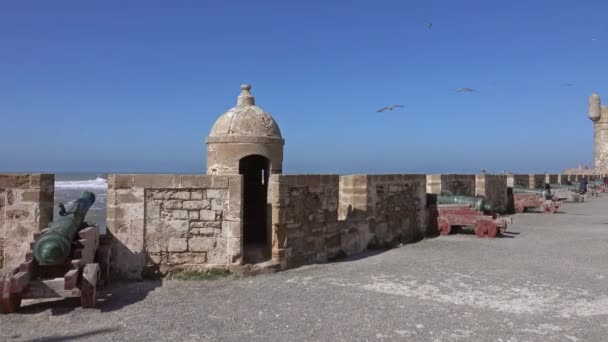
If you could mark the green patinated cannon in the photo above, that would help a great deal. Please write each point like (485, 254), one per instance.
(55, 245)
(479, 203)
(544, 193)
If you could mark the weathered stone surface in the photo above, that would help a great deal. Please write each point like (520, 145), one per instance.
(207, 215)
(243, 131)
(175, 226)
(196, 205)
(463, 185)
(26, 202)
(201, 244)
(178, 244)
(193, 215)
(494, 189)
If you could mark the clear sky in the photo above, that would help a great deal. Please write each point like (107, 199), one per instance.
(136, 87)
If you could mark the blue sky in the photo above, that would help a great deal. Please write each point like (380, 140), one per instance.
(136, 87)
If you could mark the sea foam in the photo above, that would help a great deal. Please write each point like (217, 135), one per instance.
(98, 183)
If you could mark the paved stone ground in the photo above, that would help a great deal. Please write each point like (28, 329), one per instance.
(545, 281)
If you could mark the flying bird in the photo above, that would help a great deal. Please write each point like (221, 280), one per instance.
(430, 26)
(389, 108)
(466, 90)
(568, 84)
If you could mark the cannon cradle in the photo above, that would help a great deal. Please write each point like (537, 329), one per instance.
(45, 273)
(54, 246)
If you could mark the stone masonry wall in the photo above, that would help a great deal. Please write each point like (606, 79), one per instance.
(305, 226)
(551, 178)
(26, 207)
(318, 217)
(167, 223)
(494, 189)
(518, 180)
(396, 207)
(537, 181)
(463, 185)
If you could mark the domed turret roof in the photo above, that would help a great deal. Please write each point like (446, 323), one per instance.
(245, 120)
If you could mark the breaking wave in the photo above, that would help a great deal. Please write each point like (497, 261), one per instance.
(98, 183)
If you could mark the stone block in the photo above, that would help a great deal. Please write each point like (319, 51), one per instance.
(173, 204)
(215, 194)
(201, 243)
(218, 204)
(219, 182)
(207, 232)
(197, 205)
(197, 194)
(129, 197)
(15, 181)
(120, 181)
(156, 181)
(207, 215)
(178, 244)
(180, 227)
(232, 229)
(183, 195)
(193, 215)
(196, 181)
(187, 258)
(179, 214)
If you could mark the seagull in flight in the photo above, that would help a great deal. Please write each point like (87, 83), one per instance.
(568, 84)
(389, 108)
(466, 90)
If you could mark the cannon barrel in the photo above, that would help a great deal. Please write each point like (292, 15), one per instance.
(546, 194)
(479, 203)
(55, 245)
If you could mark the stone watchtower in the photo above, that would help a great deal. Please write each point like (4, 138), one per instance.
(599, 115)
(246, 140)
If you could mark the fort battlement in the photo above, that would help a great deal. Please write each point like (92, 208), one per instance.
(243, 211)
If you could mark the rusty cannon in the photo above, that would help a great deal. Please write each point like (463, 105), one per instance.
(468, 211)
(525, 199)
(65, 260)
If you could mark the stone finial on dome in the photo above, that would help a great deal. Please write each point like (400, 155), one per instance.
(245, 99)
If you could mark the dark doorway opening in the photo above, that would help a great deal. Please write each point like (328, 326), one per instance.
(256, 240)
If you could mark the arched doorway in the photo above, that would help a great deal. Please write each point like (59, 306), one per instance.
(256, 240)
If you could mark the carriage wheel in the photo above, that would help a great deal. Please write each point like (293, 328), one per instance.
(88, 295)
(9, 302)
(548, 207)
(485, 228)
(519, 207)
(443, 225)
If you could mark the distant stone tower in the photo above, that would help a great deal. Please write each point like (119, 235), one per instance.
(245, 130)
(599, 115)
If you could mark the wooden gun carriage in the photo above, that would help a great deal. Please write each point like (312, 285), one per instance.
(87, 268)
(450, 215)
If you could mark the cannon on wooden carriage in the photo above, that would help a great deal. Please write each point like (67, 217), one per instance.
(65, 260)
(468, 211)
(565, 192)
(525, 199)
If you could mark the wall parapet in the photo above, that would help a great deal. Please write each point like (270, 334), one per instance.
(318, 217)
(165, 223)
(26, 207)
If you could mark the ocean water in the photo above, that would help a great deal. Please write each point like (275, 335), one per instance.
(68, 187)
